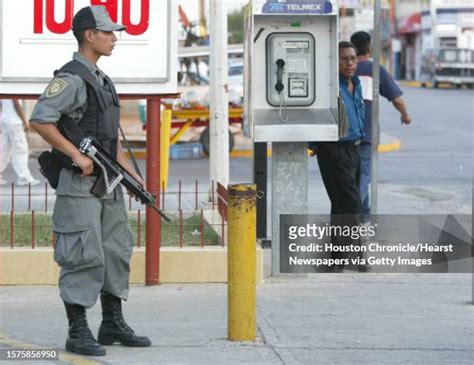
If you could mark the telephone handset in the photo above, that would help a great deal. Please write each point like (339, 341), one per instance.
(290, 70)
(279, 88)
(279, 85)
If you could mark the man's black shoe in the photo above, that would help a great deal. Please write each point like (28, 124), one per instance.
(80, 339)
(114, 328)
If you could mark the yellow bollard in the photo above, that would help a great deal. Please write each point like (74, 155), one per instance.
(165, 146)
(241, 262)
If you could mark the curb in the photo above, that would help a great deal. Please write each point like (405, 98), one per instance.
(413, 83)
(392, 146)
(427, 85)
(395, 145)
(177, 265)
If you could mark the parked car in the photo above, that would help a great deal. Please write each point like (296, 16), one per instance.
(450, 65)
(193, 84)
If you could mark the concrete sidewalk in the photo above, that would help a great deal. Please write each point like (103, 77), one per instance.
(347, 318)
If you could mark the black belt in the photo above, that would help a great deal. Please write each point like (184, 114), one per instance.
(355, 143)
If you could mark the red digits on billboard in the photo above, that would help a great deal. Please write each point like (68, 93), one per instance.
(52, 24)
(110, 5)
(38, 17)
(142, 26)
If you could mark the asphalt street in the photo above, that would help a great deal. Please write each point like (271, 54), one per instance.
(431, 173)
(347, 318)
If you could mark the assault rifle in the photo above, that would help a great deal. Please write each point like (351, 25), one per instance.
(113, 174)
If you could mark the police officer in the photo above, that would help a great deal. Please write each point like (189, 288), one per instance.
(94, 242)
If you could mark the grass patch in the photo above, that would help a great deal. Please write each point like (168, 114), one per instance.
(22, 230)
(170, 231)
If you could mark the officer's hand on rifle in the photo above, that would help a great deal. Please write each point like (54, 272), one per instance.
(84, 163)
(140, 180)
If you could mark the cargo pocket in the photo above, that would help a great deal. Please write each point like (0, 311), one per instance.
(124, 240)
(73, 251)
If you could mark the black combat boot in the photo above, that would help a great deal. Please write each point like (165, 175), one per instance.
(80, 339)
(114, 328)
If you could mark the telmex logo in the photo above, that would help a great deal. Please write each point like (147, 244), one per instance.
(295, 7)
(300, 7)
(44, 15)
(277, 7)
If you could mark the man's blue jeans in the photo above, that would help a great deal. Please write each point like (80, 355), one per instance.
(364, 185)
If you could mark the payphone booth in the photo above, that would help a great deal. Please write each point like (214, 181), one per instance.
(291, 72)
(291, 92)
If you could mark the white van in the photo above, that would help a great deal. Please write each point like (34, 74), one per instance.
(450, 65)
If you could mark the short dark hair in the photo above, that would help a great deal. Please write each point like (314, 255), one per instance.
(80, 35)
(361, 41)
(346, 44)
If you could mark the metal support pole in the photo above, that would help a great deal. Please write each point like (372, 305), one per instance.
(377, 45)
(153, 219)
(241, 261)
(165, 147)
(260, 178)
(289, 194)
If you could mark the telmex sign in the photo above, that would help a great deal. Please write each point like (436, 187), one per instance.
(36, 39)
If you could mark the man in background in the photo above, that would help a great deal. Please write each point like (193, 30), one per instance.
(390, 91)
(14, 146)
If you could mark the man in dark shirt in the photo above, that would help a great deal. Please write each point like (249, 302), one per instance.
(389, 90)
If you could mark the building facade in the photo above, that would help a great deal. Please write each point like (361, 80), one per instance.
(422, 25)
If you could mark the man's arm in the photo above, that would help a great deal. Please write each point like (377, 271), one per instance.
(50, 133)
(392, 92)
(21, 114)
(399, 104)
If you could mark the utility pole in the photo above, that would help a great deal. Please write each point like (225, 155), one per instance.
(392, 31)
(434, 33)
(343, 22)
(219, 96)
(202, 19)
(377, 46)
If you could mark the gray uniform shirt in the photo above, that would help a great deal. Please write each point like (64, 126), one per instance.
(67, 95)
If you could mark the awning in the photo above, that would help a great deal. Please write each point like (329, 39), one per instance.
(409, 24)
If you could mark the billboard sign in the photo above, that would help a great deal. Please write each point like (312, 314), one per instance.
(36, 39)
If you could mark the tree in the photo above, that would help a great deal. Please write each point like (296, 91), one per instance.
(235, 24)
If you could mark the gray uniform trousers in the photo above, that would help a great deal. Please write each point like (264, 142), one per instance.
(93, 247)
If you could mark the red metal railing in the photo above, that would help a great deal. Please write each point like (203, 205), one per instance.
(183, 202)
(222, 200)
